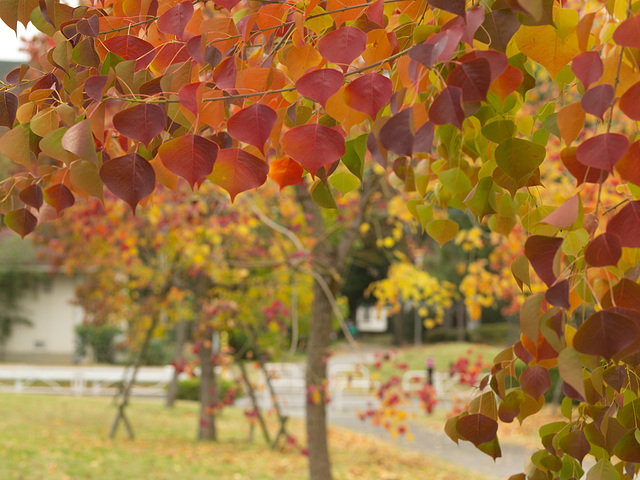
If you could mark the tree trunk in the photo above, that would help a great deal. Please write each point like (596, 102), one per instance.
(460, 314)
(208, 390)
(254, 401)
(319, 338)
(181, 338)
(397, 324)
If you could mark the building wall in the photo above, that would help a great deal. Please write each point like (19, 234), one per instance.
(51, 337)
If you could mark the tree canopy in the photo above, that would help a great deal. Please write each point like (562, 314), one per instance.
(462, 105)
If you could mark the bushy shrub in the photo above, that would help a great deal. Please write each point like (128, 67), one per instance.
(491, 333)
(101, 339)
(189, 389)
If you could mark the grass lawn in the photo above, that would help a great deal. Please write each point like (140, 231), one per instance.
(65, 438)
(443, 354)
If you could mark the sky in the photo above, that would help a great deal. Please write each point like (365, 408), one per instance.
(10, 43)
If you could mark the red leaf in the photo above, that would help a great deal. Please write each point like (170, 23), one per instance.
(94, 86)
(285, 171)
(175, 20)
(424, 138)
(142, 122)
(224, 75)
(625, 294)
(228, 4)
(191, 157)
(188, 96)
(628, 32)
(343, 46)
(131, 48)
(498, 61)
(626, 225)
(375, 12)
(452, 36)
(473, 77)
(598, 100)
(477, 428)
(426, 53)
(508, 82)
(130, 178)
(474, 18)
(603, 250)
(587, 67)
(32, 196)
(369, 93)
(319, 85)
(575, 444)
(498, 28)
(89, 27)
(59, 197)
(21, 221)
(566, 214)
(8, 109)
(541, 252)
(169, 54)
(253, 125)
(313, 146)
(630, 102)
(447, 108)
(605, 333)
(79, 140)
(395, 135)
(237, 171)
(452, 6)
(535, 381)
(603, 151)
(582, 173)
(558, 295)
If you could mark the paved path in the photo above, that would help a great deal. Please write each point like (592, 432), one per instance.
(437, 444)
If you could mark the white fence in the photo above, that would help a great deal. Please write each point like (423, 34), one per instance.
(350, 385)
(150, 381)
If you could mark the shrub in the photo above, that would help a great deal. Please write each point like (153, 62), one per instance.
(101, 340)
(491, 333)
(189, 389)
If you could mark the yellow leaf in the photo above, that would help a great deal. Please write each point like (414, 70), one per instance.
(15, 145)
(570, 122)
(442, 230)
(300, 60)
(543, 45)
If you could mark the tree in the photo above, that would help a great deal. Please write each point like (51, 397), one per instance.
(197, 260)
(455, 102)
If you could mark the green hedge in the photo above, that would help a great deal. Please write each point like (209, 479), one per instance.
(189, 389)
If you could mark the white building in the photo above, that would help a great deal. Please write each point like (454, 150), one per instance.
(51, 336)
(46, 304)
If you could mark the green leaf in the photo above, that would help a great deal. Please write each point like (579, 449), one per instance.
(499, 131)
(570, 368)
(344, 182)
(574, 242)
(51, 145)
(519, 158)
(566, 407)
(425, 214)
(482, 198)
(442, 230)
(603, 470)
(455, 181)
(86, 176)
(520, 271)
(322, 195)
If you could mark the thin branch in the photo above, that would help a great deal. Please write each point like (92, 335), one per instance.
(277, 227)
